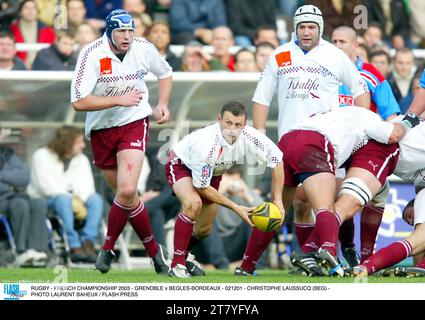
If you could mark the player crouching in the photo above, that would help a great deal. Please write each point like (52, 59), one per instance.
(194, 168)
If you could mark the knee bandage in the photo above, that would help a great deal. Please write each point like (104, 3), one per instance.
(356, 188)
(381, 197)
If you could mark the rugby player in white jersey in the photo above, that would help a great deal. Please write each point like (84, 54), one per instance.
(194, 168)
(312, 150)
(410, 168)
(109, 85)
(306, 73)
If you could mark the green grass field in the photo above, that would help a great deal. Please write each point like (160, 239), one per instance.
(33, 275)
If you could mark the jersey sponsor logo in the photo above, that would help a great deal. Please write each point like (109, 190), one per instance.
(206, 171)
(105, 66)
(301, 89)
(346, 99)
(283, 59)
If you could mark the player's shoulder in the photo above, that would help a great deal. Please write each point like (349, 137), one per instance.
(251, 133)
(143, 43)
(370, 69)
(93, 47)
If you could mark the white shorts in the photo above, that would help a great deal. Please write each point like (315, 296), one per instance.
(340, 173)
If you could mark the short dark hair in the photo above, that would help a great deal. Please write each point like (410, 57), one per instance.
(264, 45)
(7, 34)
(380, 53)
(234, 107)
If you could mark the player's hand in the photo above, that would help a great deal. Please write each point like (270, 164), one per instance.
(161, 113)
(279, 204)
(245, 213)
(131, 99)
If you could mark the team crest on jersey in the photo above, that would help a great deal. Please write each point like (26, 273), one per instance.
(105, 66)
(141, 74)
(206, 171)
(283, 59)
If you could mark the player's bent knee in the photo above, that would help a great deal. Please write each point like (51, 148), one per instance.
(126, 194)
(357, 189)
(192, 207)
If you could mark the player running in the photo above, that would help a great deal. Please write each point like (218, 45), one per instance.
(109, 84)
(194, 168)
(306, 73)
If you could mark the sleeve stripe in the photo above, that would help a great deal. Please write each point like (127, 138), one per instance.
(370, 78)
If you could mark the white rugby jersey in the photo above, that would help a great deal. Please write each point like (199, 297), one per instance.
(348, 129)
(206, 153)
(411, 161)
(306, 83)
(99, 72)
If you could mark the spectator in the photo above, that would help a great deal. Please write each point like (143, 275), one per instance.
(336, 13)
(262, 54)
(373, 36)
(59, 56)
(287, 7)
(391, 17)
(397, 41)
(245, 17)
(195, 19)
(222, 41)
(50, 10)
(85, 35)
(8, 12)
(417, 22)
(363, 52)
(26, 215)
(402, 76)
(138, 8)
(195, 59)
(77, 13)
(382, 61)
(159, 35)
(141, 24)
(8, 58)
(29, 30)
(245, 61)
(98, 10)
(266, 34)
(62, 174)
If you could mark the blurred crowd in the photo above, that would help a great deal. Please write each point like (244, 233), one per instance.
(210, 35)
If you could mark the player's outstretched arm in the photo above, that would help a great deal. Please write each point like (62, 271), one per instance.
(216, 197)
(94, 103)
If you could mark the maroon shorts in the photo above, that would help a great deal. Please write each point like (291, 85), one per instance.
(106, 143)
(377, 158)
(305, 151)
(175, 169)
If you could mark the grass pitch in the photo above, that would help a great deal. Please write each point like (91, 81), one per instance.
(37, 275)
